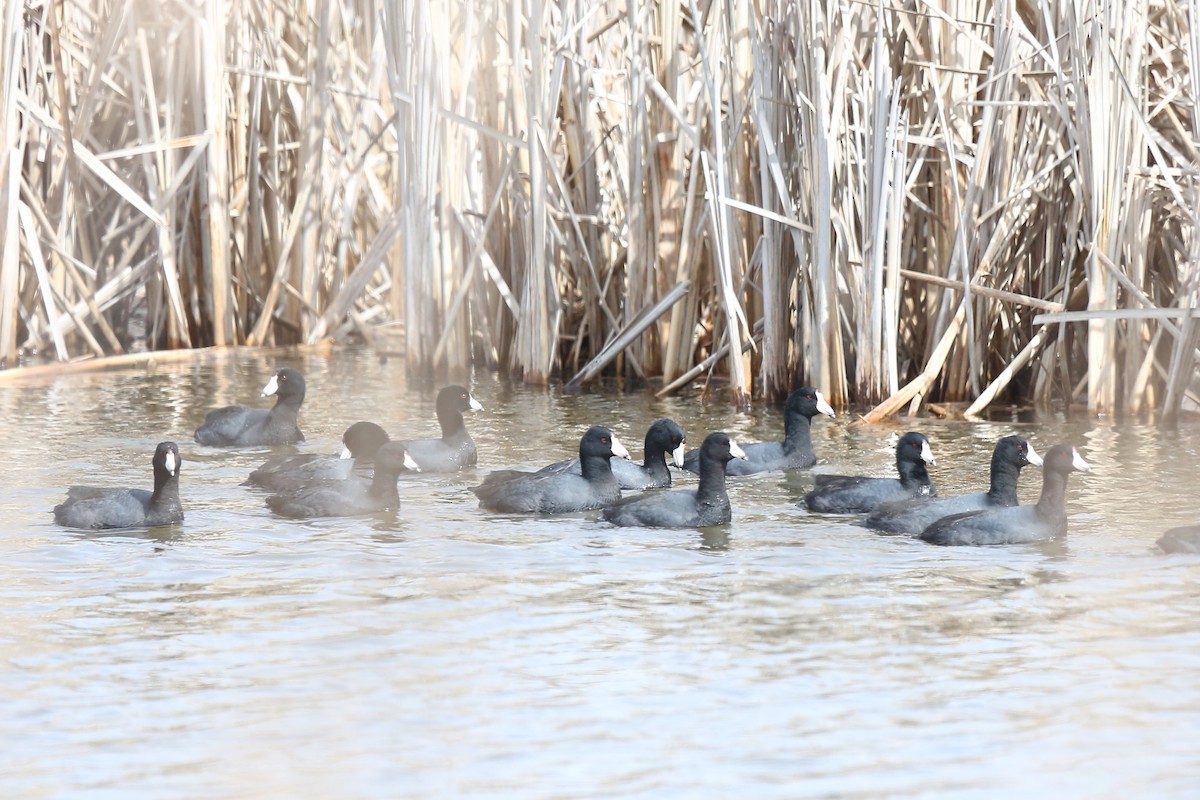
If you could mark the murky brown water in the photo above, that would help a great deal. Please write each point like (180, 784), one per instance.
(448, 651)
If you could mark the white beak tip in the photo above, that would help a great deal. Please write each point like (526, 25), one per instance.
(474, 404)
(824, 407)
(736, 451)
(1078, 463)
(346, 453)
(677, 455)
(618, 449)
(272, 387)
(1033, 458)
(410, 464)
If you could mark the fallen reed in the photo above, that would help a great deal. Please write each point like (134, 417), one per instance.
(902, 202)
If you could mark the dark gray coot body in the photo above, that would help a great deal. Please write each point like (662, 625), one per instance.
(97, 507)
(361, 441)
(664, 437)
(559, 493)
(915, 515)
(1047, 519)
(1184, 539)
(239, 425)
(351, 496)
(707, 504)
(794, 452)
(852, 494)
(455, 450)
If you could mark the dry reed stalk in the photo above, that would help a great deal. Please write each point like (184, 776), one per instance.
(862, 159)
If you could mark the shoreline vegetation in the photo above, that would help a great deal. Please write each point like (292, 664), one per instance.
(956, 202)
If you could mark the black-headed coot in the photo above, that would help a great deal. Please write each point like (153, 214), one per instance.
(915, 515)
(455, 450)
(350, 496)
(794, 452)
(360, 442)
(852, 494)
(239, 425)
(96, 507)
(1184, 539)
(562, 492)
(707, 504)
(664, 437)
(1047, 519)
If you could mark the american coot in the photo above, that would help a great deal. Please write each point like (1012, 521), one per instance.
(94, 507)
(350, 496)
(706, 505)
(455, 449)
(1015, 524)
(1184, 539)
(239, 425)
(851, 494)
(559, 493)
(794, 452)
(360, 443)
(913, 516)
(663, 437)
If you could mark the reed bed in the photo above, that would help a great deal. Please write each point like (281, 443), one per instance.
(897, 202)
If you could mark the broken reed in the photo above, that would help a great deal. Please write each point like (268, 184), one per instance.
(874, 199)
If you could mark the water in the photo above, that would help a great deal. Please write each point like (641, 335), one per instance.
(447, 651)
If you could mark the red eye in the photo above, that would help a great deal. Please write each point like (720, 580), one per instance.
(808, 397)
(604, 439)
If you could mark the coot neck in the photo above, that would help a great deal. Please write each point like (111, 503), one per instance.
(912, 473)
(451, 422)
(166, 488)
(596, 468)
(797, 433)
(711, 490)
(655, 463)
(1004, 482)
(383, 486)
(1053, 502)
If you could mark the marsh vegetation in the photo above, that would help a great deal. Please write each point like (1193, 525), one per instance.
(901, 202)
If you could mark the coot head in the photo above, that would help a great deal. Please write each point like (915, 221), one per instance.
(288, 383)
(666, 434)
(599, 441)
(808, 402)
(363, 440)
(457, 398)
(914, 447)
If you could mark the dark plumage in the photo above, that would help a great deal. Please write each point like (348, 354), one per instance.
(558, 493)
(915, 515)
(1016, 524)
(707, 504)
(794, 452)
(663, 437)
(1184, 539)
(239, 425)
(851, 494)
(455, 449)
(95, 507)
(350, 496)
(361, 442)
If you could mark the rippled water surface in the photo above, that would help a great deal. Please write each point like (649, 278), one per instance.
(447, 651)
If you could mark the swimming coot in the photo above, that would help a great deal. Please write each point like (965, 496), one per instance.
(1184, 539)
(1016, 524)
(96, 507)
(851, 494)
(706, 505)
(239, 425)
(360, 443)
(349, 496)
(663, 437)
(455, 449)
(915, 515)
(794, 452)
(558, 493)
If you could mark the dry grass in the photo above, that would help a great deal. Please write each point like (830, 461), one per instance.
(879, 199)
